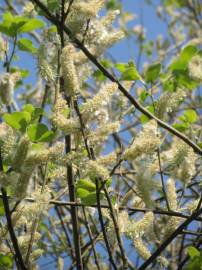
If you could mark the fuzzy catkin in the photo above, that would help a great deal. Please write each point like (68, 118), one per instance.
(146, 143)
(171, 194)
(21, 153)
(69, 70)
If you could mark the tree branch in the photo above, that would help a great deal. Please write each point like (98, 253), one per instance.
(18, 255)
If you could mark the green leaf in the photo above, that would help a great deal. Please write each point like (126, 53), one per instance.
(25, 44)
(17, 120)
(181, 126)
(91, 198)
(182, 79)
(35, 112)
(144, 118)
(6, 262)
(130, 74)
(121, 67)
(31, 24)
(86, 184)
(192, 251)
(143, 95)
(99, 75)
(11, 24)
(81, 192)
(190, 116)
(2, 212)
(39, 133)
(52, 5)
(152, 73)
(28, 108)
(185, 56)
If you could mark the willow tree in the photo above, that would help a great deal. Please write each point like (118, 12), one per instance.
(100, 160)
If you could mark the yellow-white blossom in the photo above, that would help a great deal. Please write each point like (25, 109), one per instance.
(71, 86)
(171, 194)
(195, 68)
(146, 142)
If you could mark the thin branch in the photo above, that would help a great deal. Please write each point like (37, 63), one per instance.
(18, 255)
(91, 238)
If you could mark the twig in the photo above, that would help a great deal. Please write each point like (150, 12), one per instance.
(91, 238)
(18, 255)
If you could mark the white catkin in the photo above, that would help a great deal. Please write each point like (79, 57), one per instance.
(69, 70)
(171, 194)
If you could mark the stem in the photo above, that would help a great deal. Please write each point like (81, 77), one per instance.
(18, 255)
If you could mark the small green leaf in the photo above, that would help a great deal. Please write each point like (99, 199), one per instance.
(99, 75)
(6, 262)
(31, 24)
(152, 73)
(86, 184)
(181, 126)
(52, 5)
(130, 74)
(192, 251)
(39, 133)
(81, 192)
(35, 112)
(91, 198)
(25, 44)
(1, 208)
(190, 116)
(28, 108)
(121, 67)
(144, 118)
(185, 56)
(17, 120)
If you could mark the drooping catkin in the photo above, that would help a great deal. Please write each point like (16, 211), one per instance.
(171, 194)
(146, 142)
(69, 72)
(21, 153)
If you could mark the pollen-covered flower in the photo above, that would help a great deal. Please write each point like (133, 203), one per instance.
(94, 169)
(106, 91)
(146, 142)
(171, 194)
(89, 8)
(141, 248)
(21, 153)
(180, 160)
(69, 70)
(7, 85)
(195, 68)
(169, 102)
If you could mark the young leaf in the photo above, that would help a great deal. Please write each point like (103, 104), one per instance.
(81, 192)
(190, 116)
(91, 198)
(192, 251)
(185, 56)
(1, 208)
(131, 74)
(31, 24)
(6, 262)
(86, 184)
(17, 120)
(39, 133)
(25, 44)
(152, 73)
